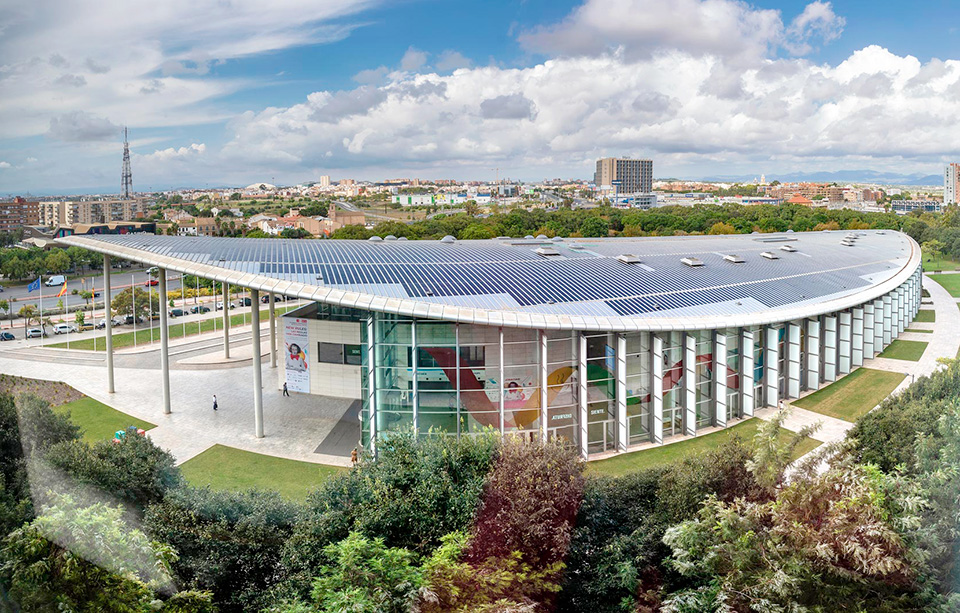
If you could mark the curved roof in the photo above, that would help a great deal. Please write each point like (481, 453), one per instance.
(669, 283)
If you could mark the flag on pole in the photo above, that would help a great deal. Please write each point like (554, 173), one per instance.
(63, 290)
(34, 285)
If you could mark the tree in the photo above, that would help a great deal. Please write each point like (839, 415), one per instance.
(79, 318)
(87, 296)
(57, 261)
(722, 228)
(933, 248)
(4, 305)
(235, 196)
(594, 226)
(15, 268)
(471, 208)
(28, 313)
(133, 301)
(476, 231)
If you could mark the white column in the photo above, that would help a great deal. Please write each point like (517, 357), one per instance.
(895, 313)
(856, 342)
(813, 354)
(771, 371)
(869, 325)
(416, 383)
(257, 365)
(502, 407)
(793, 360)
(887, 319)
(544, 376)
(226, 319)
(720, 378)
(829, 349)
(878, 326)
(746, 372)
(372, 385)
(844, 343)
(901, 309)
(164, 344)
(108, 319)
(583, 415)
(689, 384)
(623, 435)
(273, 331)
(656, 389)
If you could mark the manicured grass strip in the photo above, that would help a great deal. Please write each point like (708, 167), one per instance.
(925, 294)
(853, 395)
(920, 331)
(951, 283)
(99, 421)
(904, 350)
(667, 454)
(926, 316)
(125, 339)
(227, 468)
(940, 264)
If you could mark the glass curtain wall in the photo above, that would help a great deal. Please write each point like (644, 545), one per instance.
(704, 377)
(758, 367)
(734, 407)
(672, 383)
(601, 392)
(521, 382)
(639, 378)
(563, 387)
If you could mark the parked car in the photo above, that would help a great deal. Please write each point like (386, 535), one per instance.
(35, 333)
(245, 302)
(101, 324)
(7, 336)
(85, 326)
(177, 313)
(219, 305)
(199, 309)
(1, 288)
(64, 328)
(96, 294)
(151, 283)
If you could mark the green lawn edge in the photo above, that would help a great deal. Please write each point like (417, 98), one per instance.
(100, 421)
(914, 330)
(926, 316)
(852, 396)
(227, 468)
(901, 349)
(667, 454)
(951, 283)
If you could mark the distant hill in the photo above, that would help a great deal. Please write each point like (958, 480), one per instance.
(840, 176)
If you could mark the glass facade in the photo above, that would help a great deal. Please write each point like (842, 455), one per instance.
(445, 378)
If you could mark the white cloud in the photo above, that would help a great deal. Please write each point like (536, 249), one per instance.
(79, 126)
(171, 154)
(4, 164)
(31, 160)
(451, 60)
(413, 59)
(817, 21)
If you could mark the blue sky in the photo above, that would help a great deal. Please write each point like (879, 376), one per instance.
(234, 93)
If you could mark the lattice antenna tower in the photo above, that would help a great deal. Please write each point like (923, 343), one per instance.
(126, 178)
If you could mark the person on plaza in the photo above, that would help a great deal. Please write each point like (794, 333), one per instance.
(353, 456)
(214, 402)
(285, 392)
(781, 404)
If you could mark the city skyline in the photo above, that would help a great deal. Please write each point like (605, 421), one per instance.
(229, 95)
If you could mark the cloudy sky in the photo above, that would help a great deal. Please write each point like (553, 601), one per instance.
(231, 92)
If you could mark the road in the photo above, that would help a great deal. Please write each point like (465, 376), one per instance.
(346, 206)
(18, 296)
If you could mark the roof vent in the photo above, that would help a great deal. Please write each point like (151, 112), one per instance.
(541, 237)
(547, 252)
(528, 237)
(575, 247)
(847, 243)
(389, 237)
(692, 262)
(375, 239)
(556, 239)
(448, 239)
(736, 259)
(402, 238)
(629, 258)
(789, 248)
(770, 255)
(881, 232)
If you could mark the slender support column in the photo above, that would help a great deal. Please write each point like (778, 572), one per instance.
(869, 325)
(623, 436)
(720, 378)
(416, 379)
(878, 325)
(894, 314)
(901, 309)
(813, 354)
(273, 332)
(164, 344)
(856, 343)
(108, 321)
(887, 319)
(689, 384)
(656, 389)
(747, 372)
(544, 382)
(771, 367)
(257, 366)
(502, 384)
(372, 384)
(583, 413)
(829, 348)
(226, 321)
(844, 343)
(794, 364)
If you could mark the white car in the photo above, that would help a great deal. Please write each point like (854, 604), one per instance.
(35, 333)
(64, 328)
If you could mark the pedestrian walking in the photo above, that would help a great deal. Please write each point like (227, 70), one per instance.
(353, 456)
(214, 402)
(285, 392)
(781, 404)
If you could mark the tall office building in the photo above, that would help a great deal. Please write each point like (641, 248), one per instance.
(325, 181)
(951, 186)
(634, 176)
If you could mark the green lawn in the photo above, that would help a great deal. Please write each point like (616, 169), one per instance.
(125, 339)
(904, 350)
(951, 283)
(926, 316)
(920, 331)
(941, 263)
(99, 421)
(226, 468)
(667, 454)
(853, 395)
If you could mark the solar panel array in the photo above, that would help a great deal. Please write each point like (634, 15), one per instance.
(585, 277)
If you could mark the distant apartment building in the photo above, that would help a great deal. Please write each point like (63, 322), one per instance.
(905, 206)
(414, 199)
(627, 176)
(200, 226)
(325, 181)
(55, 213)
(18, 213)
(951, 183)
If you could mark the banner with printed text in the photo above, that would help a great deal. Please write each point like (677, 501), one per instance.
(296, 338)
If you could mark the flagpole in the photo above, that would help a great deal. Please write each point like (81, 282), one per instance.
(42, 329)
(133, 306)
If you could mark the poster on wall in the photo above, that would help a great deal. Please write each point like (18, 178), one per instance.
(296, 340)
